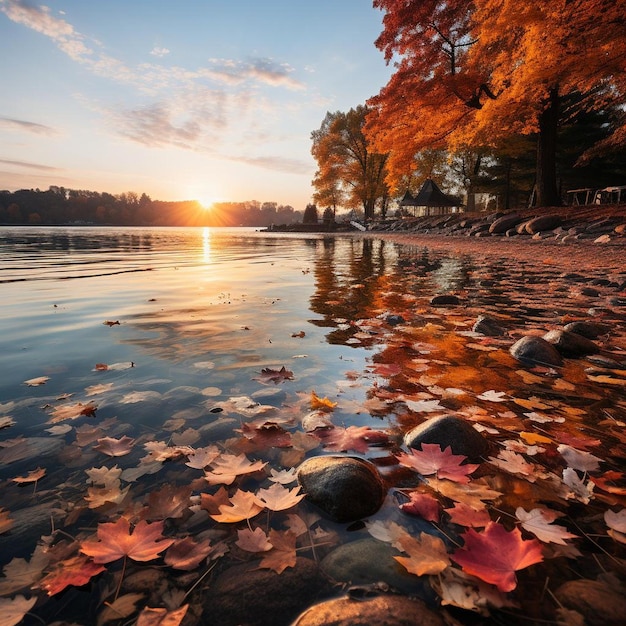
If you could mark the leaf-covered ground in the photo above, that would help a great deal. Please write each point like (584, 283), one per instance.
(140, 521)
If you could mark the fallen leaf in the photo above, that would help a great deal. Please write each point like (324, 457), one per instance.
(427, 556)
(465, 515)
(283, 553)
(422, 505)
(105, 476)
(579, 460)
(115, 447)
(269, 375)
(116, 539)
(202, 457)
(111, 323)
(253, 540)
(32, 477)
(539, 523)
(6, 523)
(123, 607)
(227, 467)
(493, 396)
(6, 421)
(72, 412)
(357, 438)
(431, 459)
(242, 505)
(162, 617)
(278, 498)
(36, 382)
(495, 554)
(321, 404)
(77, 571)
(168, 502)
(284, 477)
(13, 610)
(186, 554)
(616, 520)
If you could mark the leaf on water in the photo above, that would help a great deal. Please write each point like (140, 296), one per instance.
(32, 477)
(431, 459)
(284, 477)
(424, 406)
(465, 515)
(76, 572)
(187, 438)
(212, 502)
(160, 451)
(123, 607)
(95, 390)
(357, 438)
(253, 540)
(493, 396)
(13, 610)
(111, 323)
(105, 476)
(62, 429)
(389, 532)
(607, 482)
(115, 447)
(579, 490)
(427, 556)
(269, 375)
(6, 523)
(116, 539)
(267, 435)
(321, 404)
(186, 554)
(202, 457)
(616, 520)
(204, 365)
(422, 505)
(140, 396)
(162, 617)
(472, 493)
(279, 498)
(103, 367)
(168, 502)
(72, 412)
(100, 496)
(22, 574)
(533, 438)
(36, 382)
(283, 553)
(514, 463)
(242, 505)
(6, 421)
(227, 467)
(539, 523)
(579, 460)
(495, 554)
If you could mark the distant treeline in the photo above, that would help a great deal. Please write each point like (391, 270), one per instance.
(61, 206)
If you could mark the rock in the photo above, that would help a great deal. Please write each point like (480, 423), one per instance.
(246, 596)
(589, 291)
(599, 603)
(449, 430)
(488, 326)
(570, 344)
(369, 561)
(382, 610)
(542, 223)
(620, 229)
(394, 320)
(590, 330)
(535, 351)
(346, 488)
(445, 299)
(607, 363)
(606, 238)
(502, 224)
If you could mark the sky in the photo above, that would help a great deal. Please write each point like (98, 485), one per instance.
(208, 100)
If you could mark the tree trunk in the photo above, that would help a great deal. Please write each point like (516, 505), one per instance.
(547, 193)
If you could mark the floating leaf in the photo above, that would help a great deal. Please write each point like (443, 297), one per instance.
(278, 498)
(32, 476)
(162, 617)
(253, 540)
(115, 447)
(116, 539)
(431, 459)
(283, 553)
(427, 556)
(495, 554)
(13, 610)
(539, 523)
(77, 571)
(36, 382)
(242, 505)
(269, 375)
(186, 554)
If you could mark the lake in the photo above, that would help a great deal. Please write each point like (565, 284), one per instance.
(129, 353)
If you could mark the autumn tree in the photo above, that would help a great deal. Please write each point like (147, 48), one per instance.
(349, 172)
(472, 73)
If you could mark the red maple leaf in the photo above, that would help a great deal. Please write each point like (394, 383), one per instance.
(431, 459)
(268, 375)
(357, 438)
(423, 505)
(495, 554)
(76, 571)
(115, 540)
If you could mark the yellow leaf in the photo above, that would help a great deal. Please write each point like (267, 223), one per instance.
(321, 404)
(532, 438)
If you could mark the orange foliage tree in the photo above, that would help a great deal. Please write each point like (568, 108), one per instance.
(473, 73)
(349, 173)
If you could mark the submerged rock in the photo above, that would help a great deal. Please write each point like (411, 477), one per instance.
(346, 488)
(245, 595)
(488, 326)
(449, 430)
(385, 609)
(599, 603)
(445, 299)
(590, 330)
(570, 344)
(535, 351)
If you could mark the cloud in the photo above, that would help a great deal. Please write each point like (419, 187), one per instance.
(263, 70)
(32, 166)
(32, 127)
(279, 164)
(159, 52)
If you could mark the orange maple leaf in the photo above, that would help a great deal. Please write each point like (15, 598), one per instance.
(431, 459)
(116, 540)
(243, 505)
(426, 555)
(283, 553)
(77, 571)
(161, 617)
(321, 404)
(279, 498)
(495, 554)
(115, 447)
(186, 554)
(32, 476)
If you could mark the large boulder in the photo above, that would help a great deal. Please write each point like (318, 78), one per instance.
(571, 344)
(385, 609)
(599, 603)
(449, 430)
(504, 223)
(590, 330)
(345, 488)
(536, 351)
(542, 223)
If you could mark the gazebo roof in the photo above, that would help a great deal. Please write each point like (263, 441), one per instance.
(429, 196)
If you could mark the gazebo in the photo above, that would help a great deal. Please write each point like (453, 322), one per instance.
(430, 197)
